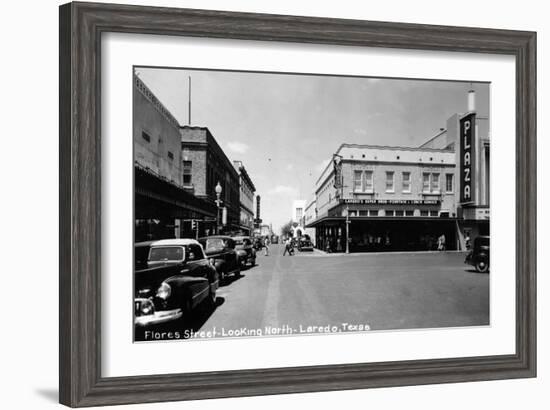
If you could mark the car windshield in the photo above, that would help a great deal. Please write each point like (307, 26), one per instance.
(214, 243)
(166, 253)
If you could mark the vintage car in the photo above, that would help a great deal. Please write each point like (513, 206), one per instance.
(220, 250)
(479, 255)
(245, 250)
(304, 245)
(141, 253)
(177, 278)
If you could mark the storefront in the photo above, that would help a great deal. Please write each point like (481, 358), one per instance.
(386, 225)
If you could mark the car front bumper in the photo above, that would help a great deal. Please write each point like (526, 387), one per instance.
(161, 316)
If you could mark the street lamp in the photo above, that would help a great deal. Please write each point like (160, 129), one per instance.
(218, 190)
(346, 214)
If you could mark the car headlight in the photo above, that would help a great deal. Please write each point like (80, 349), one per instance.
(164, 291)
(144, 307)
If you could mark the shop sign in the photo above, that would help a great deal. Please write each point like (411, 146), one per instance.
(391, 201)
(467, 144)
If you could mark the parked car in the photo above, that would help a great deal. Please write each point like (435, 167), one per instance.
(178, 277)
(479, 255)
(245, 250)
(141, 253)
(221, 251)
(305, 245)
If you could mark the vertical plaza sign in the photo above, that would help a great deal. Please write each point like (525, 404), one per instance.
(467, 152)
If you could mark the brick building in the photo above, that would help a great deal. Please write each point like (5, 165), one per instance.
(246, 199)
(204, 166)
(162, 207)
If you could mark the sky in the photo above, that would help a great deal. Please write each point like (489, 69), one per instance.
(285, 127)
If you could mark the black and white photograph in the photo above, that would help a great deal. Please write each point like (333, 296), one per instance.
(280, 204)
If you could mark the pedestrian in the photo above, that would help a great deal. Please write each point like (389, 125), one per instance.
(441, 243)
(266, 245)
(468, 241)
(287, 247)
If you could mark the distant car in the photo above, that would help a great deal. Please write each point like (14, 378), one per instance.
(479, 255)
(305, 245)
(177, 278)
(245, 250)
(274, 239)
(221, 250)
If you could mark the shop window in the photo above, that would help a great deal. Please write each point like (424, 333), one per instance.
(390, 212)
(399, 212)
(424, 213)
(409, 212)
(389, 181)
(406, 182)
(434, 213)
(187, 172)
(449, 183)
(373, 212)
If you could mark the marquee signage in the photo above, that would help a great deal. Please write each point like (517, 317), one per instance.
(467, 144)
(391, 201)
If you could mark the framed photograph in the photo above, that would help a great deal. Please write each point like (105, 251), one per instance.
(259, 204)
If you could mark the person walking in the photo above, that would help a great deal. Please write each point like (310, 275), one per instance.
(287, 247)
(266, 245)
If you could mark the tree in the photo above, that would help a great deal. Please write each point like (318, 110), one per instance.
(286, 230)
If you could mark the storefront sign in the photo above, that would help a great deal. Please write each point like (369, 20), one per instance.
(391, 201)
(467, 144)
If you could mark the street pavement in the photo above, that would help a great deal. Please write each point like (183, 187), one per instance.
(315, 292)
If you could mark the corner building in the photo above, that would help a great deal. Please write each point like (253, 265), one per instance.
(390, 199)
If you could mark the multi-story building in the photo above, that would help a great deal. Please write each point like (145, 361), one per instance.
(297, 216)
(205, 167)
(310, 214)
(246, 198)
(162, 208)
(380, 198)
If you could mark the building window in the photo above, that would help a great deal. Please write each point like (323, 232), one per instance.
(406, 182)
(368, 184)
(373, 212)
(409, 212)
(435, 183)
(425, 182)
(399, 212)
(145, 136)
(390, 212)
(449, 183)
(170, 155)
(299, 212)
(430, 183)
(434, 213)
(389, 181)
(357, 181)
(424, 213)
(187, 172)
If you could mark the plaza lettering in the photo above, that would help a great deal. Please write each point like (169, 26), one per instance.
(467, 132)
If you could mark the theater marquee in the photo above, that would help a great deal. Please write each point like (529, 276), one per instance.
(467, 158)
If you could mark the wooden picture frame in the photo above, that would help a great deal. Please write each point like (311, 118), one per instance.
(81, 27)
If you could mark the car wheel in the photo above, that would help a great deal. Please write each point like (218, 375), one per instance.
(482, 266)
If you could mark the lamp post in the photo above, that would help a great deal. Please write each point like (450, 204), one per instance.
(346, 214)
(218, 190)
